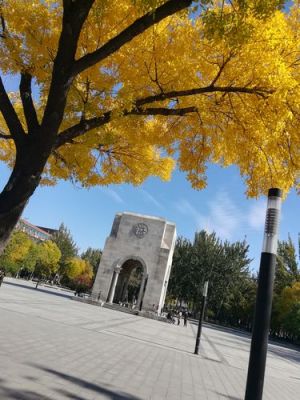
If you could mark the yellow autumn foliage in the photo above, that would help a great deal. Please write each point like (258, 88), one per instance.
(289, 297)
(76, 266)
(243, 94)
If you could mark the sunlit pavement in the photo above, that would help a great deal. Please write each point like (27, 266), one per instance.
(55, 348)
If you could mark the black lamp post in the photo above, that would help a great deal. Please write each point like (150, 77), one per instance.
(205, 287)
(262, 317)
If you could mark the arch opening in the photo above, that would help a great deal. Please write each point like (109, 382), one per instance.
(130, 285)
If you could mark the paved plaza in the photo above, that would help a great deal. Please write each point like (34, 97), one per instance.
(55, 348)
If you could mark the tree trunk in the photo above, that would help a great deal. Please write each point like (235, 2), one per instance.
(8, 221)
(25, 178)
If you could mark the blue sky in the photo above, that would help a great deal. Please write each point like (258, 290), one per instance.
(221, 207)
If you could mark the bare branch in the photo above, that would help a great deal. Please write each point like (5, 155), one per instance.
(81, 128)
(74, 16)
(163, 111)
(28, 106)
(139, 26)
(87, 125)
(59, 157)
(67, 4)
(2, 35)
(221, 69)
(5, 136)
(10, 116)
(263, 92)
(3, 24)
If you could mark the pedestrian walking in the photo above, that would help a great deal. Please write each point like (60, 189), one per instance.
(2, 275)
(185, 315)
(179, 317)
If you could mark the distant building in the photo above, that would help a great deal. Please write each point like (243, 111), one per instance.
(35, 232)
(48, 230)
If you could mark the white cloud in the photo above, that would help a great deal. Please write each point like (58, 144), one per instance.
(113, 194)
(152, 199)
(184, 207)
(257, 215)
(223, 217)
(219, 218)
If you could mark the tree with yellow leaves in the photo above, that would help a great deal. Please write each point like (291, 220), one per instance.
(15, 252)
(47, 259)
(288, 307)
(75, 266)
(124, 89)
(78, 274)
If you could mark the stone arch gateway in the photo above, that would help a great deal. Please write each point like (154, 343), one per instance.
(140, 245)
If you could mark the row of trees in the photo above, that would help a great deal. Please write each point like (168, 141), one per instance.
(286, 302)
(232, 285)
(75, 270)
(56, 260)
(23, 254)
(225, 266)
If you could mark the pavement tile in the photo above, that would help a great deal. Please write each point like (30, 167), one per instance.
(53, 348)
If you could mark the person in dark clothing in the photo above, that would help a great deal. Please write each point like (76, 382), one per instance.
(185, 316)
(2, 275)
(179, 315)
(170, 317)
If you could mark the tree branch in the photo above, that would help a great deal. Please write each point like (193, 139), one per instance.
(163, 111)
(221, 69)
(86, 125)
(10, 116)
(2, 35)
(67, 4)
(75, 13)
(81, 128)
(3, 25)
(4, 136)
(139, 26)
(59, 157)
(28, 106)
(208, 89)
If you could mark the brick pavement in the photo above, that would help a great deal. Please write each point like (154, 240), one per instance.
(55, 348)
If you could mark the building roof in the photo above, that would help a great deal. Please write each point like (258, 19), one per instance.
(33, 230)
(51, 231)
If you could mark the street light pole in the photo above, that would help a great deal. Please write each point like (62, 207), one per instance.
(262, 317)
(205, 287)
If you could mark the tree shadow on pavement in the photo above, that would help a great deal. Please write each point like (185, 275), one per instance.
(110, 394)
(291, 354)
(15, 394)
(212, 359)
(39, 289)
(226, 396)
(242, 334)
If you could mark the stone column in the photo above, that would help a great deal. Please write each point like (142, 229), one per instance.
(112, 290)
(141, 292)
